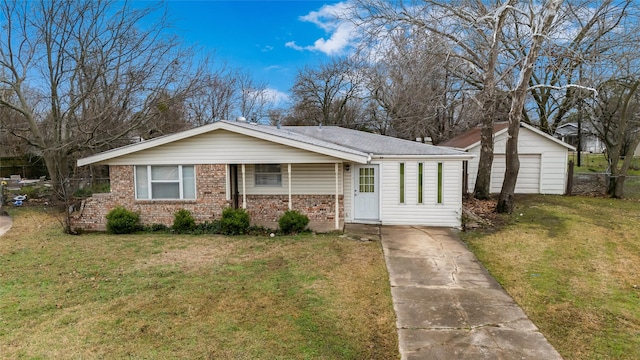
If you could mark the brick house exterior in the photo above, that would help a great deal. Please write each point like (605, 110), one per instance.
(331, 174)
(210, 201)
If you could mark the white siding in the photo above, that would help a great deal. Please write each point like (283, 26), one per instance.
(306, 179)
(429, 213)
(552, 163)
(348, 192)
(221, 147)
(528, 176)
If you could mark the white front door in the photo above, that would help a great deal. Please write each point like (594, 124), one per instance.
(366, 198)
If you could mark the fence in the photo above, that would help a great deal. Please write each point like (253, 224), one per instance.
(596, 184)
(27, 168)
(85, 186)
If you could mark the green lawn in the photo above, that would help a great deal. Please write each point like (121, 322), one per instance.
(597, 163)
(187, 296)
(573, 264)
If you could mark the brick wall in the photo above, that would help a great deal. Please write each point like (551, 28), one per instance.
(210, 195)
(211, 200)
(271, 207)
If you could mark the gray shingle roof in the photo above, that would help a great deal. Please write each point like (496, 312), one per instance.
(360, 141)
(370, 143)
(288, 132)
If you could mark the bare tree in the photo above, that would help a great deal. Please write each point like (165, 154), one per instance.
(616, 121)
(83, 74)
(471, 32)
(539, 26)
(412, 84)
(327, 95)
(587, 30)
(253, 99)
(214, 98)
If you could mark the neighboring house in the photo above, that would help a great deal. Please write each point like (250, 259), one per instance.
(331, 174)
(568, 133)
(543, 159)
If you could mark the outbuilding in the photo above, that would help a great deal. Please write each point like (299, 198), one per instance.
(543, 159)
(331, 174)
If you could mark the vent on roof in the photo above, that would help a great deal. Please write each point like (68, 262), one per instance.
(241, 119)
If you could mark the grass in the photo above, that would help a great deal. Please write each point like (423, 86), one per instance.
(572, 264)
(171, 296)
(597, 163)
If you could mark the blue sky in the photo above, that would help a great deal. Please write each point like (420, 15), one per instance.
(271, 39)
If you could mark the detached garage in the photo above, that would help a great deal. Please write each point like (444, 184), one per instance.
(543, 159)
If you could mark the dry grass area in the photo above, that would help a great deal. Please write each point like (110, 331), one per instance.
(170, 296)
(573, 264)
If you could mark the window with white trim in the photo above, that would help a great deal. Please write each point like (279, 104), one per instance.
(165, 182)
(268, 175)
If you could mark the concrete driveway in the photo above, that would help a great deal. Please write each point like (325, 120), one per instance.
(447, 304)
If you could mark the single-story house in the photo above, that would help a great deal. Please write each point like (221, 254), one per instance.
(331, 174)
(568, 133)
(543, 159)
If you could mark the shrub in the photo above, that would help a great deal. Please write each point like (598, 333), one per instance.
(207, 228)
(101, 188)
(83, 193)
(293, 221)
(256, 230)
(32, 191)
(122, 221)
(234, 222)
(183, 221)
(156, 228)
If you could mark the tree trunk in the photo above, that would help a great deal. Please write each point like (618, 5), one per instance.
(482, 188)
(616, 186)
(506, 201)
(57, 167)
(617, 177)
(483, 179)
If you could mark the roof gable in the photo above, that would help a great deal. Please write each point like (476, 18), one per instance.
(471, 137)
(333, 141)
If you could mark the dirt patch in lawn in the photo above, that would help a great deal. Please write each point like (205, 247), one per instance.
(190, 258)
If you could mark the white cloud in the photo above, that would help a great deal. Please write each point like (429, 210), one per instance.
(332, 19)
(276, 97)
(293, 45)
(275, 68)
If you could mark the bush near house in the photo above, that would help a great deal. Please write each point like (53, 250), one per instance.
(234, 222)
(122, 221)
(183, 221)
(293, 221)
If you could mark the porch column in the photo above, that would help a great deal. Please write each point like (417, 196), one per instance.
(244, 188)
(289, 171)
(337, 170)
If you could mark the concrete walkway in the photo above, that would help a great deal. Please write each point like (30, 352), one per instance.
(5, 224)
(447, 304)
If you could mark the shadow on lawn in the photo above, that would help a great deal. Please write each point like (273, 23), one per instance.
(553, 221)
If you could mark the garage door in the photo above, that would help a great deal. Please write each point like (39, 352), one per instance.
(528, 176)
